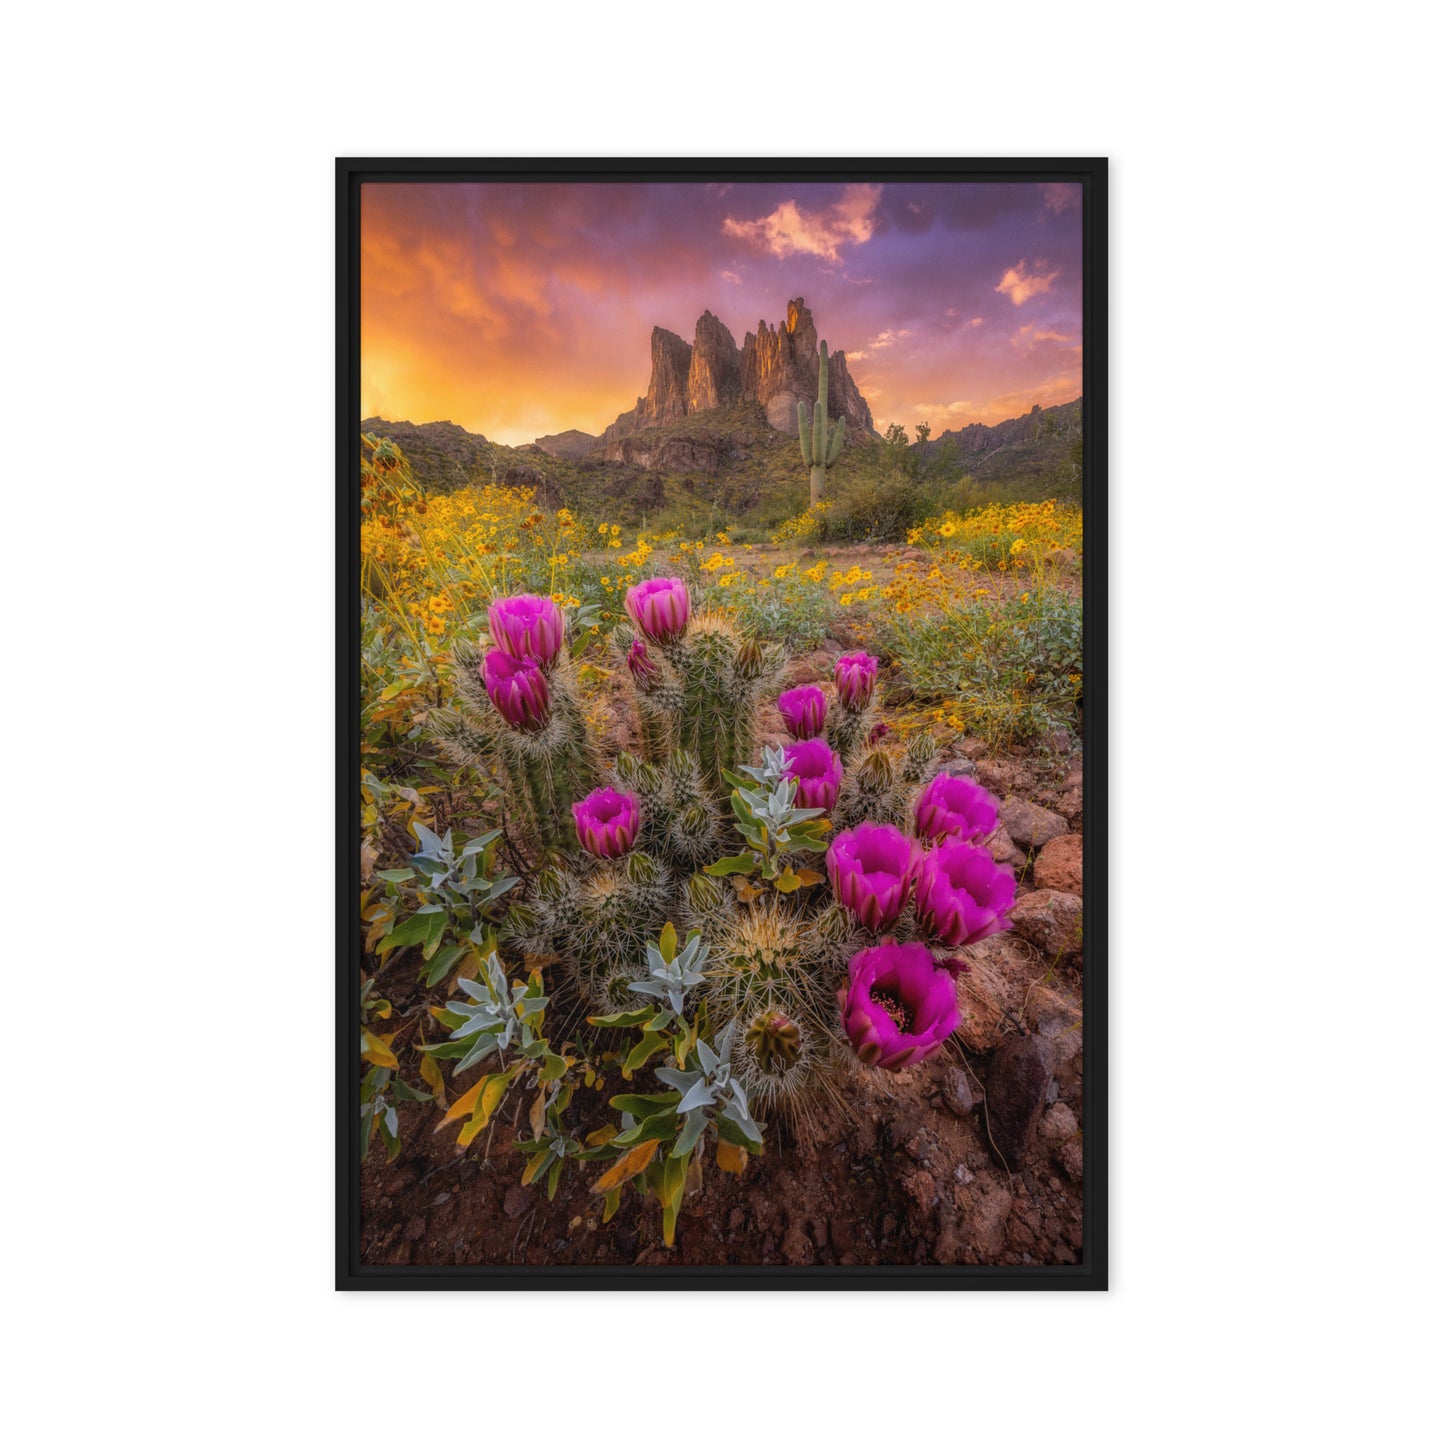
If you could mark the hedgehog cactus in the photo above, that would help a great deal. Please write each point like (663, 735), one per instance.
(659, 836)
(699, 690)
(821, 443)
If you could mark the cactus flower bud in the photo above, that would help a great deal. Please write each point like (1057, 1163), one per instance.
(659, 607)
(749, 660)
(606, 822)
(705, 894)
(517, 687)
(854, 674)
(643, 669)
(775, 1040)
(527, 626)
(803, 710)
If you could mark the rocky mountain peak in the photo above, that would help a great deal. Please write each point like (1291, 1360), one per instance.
(775, 366)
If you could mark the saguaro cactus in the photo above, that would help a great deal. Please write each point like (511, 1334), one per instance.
(820, 442)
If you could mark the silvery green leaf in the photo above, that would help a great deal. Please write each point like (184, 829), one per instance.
(743, 1121)
(691, 1132)
(696, 1097)
(677, 1079)
(676, 998)
(725, 1041)
(390, 1121)
(431, 845)
(708, 1058)
(485, 1044)
(472, 990)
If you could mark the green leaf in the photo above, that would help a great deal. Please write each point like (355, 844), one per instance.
(643, 1106)
(641, 1052)
(729, 1131)
(415, 929)
(443, 963)
(788, 882)
(436, 927)
(738, 863)
(395, 875)
(627, 1019)
(659, 1126)
(667, 943)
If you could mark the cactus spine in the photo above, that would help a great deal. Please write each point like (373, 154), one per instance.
(820, 443)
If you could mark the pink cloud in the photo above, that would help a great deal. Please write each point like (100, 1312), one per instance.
(790, 230)
(1019, 283)
(1061, 196)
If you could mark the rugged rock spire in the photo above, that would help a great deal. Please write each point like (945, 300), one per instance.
(776, 367)
(715, 378)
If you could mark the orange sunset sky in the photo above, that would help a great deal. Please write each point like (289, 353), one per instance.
(517, 310)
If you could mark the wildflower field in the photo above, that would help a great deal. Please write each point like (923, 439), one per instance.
(624, 995)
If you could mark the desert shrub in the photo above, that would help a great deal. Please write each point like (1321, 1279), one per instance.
(1004, 671)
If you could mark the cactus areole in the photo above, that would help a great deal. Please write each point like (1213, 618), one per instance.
(820, 442)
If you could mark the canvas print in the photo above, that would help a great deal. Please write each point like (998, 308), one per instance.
(721, 561)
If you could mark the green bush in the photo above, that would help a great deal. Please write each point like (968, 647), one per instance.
(1008, 672)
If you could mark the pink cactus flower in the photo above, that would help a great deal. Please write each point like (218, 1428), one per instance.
(962, 895)
(517, 687)
(871, 868)
(607, 822)
(659, 607)
(803, 710)
(527, 626)
(854, 674)
(952, 807)
(818, 772)
(898, 1006)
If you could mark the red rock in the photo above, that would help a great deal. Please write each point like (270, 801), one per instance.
(1060, 864)
(1051, 921)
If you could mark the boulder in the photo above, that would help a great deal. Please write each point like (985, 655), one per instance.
(1018, 1084)
(1051, 921)
(1060, 864)
(1029, 825)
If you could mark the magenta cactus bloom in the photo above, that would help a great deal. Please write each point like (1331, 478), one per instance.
(803, 710)
(607, 822)
(952, 807)
(517, 687)
(871, 868)
(898, 1006)
(527, 626)
(643, 669)
(854, 674)
(659, 607)
(962, 895)
(818, 772)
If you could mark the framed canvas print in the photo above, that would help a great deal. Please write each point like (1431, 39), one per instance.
(712, 637)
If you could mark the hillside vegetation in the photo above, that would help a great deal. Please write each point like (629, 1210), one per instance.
(731, 469)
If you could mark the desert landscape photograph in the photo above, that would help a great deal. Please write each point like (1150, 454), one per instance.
(721, 724)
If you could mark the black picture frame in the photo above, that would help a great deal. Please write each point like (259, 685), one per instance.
(1092, 1271)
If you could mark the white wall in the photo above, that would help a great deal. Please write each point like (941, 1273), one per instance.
(167, 361)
